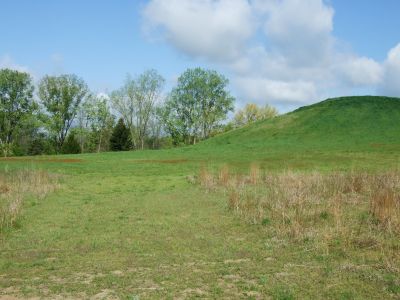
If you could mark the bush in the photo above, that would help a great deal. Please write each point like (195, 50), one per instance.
(71, 145)
(37, 147)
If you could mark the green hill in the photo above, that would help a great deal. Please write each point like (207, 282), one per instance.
(341, 123)
(367, 124)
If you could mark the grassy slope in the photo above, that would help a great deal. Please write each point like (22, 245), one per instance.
(331, 133)
(138, 228)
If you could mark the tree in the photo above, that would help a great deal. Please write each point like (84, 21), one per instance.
(61, 96)
(135, 102)
(148, 89)
(120, 138)
(82, 130)
(100, 119)
(156, 126)
(252, 113)
(197, 105)
(179, 119)
(16, 105)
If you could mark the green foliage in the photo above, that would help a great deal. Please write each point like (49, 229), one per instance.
(136, 101)
(95, 124)
(120, 138)
(61, 96)
(37, 147)
(197, 105)
(40, 145)
(71, 145)
(252, 113)
(16, 104)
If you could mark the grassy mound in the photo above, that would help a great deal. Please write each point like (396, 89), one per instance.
(349, 123)
(323, 132)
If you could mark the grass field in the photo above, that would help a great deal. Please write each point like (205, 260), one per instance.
(131, 225)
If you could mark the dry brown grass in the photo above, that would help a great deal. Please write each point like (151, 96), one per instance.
(255, 174)
(224, 176)
(385, 202)
(15, 187)
(206, 178)
(312, 205)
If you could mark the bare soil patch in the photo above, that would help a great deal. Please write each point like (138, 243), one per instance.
(42, 160)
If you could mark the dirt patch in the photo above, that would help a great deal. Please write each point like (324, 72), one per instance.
(117, 273)
(42, 160)
(160, 161)
(236, 261)
(190, 293)
(104, 294)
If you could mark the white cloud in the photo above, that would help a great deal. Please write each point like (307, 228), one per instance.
(260, 89)
(300, 30)
(275, 50)
(391, 83)
(361, 71)
(6, 62)
(215, 30)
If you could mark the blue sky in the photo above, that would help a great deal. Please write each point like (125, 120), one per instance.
(102, 41)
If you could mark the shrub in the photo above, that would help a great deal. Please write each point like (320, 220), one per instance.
(71, 145)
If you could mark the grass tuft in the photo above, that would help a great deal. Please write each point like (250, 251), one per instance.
(16, 186)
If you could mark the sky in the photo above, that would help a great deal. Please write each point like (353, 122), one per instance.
(287, 53)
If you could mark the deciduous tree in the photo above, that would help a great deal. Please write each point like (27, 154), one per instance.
(16, 105)
(135, 102)
(101, 120)
(61, 96)
(197, 105)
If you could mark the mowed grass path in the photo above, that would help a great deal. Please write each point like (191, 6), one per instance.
(123, 227)
(136, 229)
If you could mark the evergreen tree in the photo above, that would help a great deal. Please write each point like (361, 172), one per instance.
(120, 138)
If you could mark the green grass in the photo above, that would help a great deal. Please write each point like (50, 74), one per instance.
(130, 224)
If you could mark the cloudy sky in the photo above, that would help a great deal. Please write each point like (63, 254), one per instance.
(288, 53)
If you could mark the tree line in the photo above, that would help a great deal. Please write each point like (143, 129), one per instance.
(61, 114)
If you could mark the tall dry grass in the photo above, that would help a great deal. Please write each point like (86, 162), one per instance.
(312, 205)
(16, 186)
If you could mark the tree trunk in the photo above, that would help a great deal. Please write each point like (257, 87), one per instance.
(99, 147)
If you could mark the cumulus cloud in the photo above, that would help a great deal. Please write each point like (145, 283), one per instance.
(391, 82)
(281, 51)
(258, 89)
(214, 30)
(300, 30)
(361, 71)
